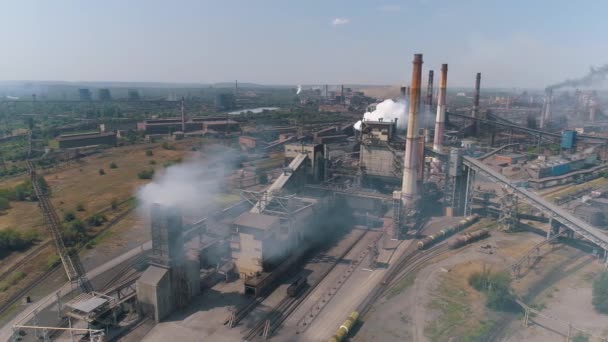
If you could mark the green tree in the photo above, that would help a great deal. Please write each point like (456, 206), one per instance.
(600, 293)
(96, 220)
(145, 174)
(69, 216)
(113, 165)
(149, 153)
(4, 203)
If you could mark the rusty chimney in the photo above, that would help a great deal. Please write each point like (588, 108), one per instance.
(440, 118)
(476, 100)
(409, 190)
(429, 90)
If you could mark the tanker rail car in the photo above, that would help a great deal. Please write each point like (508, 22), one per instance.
(442, 234)
(467, 238)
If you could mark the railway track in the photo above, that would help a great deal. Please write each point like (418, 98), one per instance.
(272, 321)
(23, 292)
(410, 261)
(32, 254)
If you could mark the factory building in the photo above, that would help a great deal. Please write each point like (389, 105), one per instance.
(86, 139)
(204, 125)
(558, 166)
(84, 94)
(173, 275)
(104, 94)
(381, 151)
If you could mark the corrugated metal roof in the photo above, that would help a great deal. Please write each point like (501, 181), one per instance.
(88, 305)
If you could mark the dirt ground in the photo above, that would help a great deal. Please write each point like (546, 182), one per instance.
(438, 304)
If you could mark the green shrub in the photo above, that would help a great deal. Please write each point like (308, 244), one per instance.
(4, 204)
(600, 293)
(12, 240)
(75, 233)
(152, 162)
(96, 220)
(145, 174)
(69, 216)
(113, 165)
(80, 207)
(167, 146)
(497, 286)
(102, 172)
(149, 153)
(114, 204)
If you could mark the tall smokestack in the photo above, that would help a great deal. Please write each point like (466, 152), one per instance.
(409, 189)
(342, 92)
(429, 90)
(183, 117)
(593, 106)
(476, 100)
(326, 91)
(440, 118)
(402, 90)
(546, 116)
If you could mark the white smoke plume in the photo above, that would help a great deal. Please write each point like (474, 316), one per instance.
(387, 110)
(299, 90)
(191, 186)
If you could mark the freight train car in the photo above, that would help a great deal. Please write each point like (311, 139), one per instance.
(296, 286)
(467, 238)
(345, 328)
(442, 234)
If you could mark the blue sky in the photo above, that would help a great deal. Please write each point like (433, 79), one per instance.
(514, 43)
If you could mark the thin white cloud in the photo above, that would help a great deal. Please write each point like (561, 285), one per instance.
(389, 8)
(340, 21)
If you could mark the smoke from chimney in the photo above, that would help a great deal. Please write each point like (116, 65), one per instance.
(594, 76)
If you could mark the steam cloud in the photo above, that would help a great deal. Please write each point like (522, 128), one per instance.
(387, 110)
(299, 90)
(191, 186)
(594, 76)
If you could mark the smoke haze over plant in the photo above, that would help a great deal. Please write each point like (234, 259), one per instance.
(595, 77)
(191, 185)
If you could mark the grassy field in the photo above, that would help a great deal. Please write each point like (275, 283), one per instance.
(459, 308)
(81, 183)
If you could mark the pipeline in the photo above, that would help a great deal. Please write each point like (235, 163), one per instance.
(345, 328)
(442, 234)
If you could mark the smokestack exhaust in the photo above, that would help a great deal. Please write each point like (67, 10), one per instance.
(409, 189)
(429, 90)
(440, 118)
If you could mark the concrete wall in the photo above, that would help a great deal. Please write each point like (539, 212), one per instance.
(248, 257)
(379, 161)
(155, 296)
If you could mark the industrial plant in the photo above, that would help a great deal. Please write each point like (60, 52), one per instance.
(234, 211)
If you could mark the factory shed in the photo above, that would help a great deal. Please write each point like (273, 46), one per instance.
(86, 139)
(154, 292)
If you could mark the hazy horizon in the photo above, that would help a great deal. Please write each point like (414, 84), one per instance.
(518, 44)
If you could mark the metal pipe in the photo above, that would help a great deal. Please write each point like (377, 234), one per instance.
(440, 118)
(476, 99)
(410, 161)
(429, 90)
